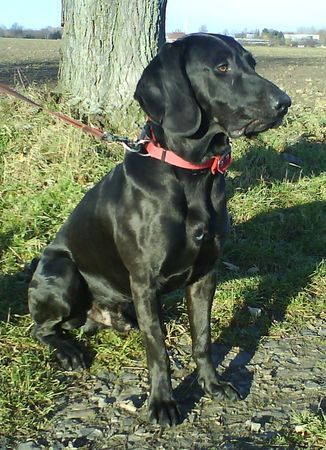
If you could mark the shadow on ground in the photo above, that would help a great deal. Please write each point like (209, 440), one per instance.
(13, 287)
(287, 244)
(290, 243)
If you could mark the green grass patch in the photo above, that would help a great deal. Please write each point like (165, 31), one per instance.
(307, 431)
(29, 383)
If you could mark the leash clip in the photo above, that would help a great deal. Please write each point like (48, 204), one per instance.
(129, 146)
(135, 147)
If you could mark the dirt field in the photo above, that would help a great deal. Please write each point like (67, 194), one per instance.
(300, 71)
(28, 61)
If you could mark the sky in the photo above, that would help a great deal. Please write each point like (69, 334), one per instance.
(189, 15)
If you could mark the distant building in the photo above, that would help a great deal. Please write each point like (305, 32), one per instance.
(297, 37)
(251, 35)
(253, 41)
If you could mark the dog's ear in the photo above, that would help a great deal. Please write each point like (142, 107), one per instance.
(164, 92)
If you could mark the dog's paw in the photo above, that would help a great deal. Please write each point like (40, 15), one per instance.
(164, 413)
(70, 356)
(220, 389)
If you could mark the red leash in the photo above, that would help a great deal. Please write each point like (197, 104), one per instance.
(96, 132)
(218, 163)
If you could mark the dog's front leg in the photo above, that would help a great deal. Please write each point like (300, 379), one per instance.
(162, 408)
(199, 297)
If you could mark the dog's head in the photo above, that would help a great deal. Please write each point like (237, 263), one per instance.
(212, 79)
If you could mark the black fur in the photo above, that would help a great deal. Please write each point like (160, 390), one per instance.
(147, 227)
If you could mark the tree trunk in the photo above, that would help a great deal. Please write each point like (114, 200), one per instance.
(105, 46)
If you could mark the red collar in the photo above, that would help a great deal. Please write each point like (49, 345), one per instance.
(219, 163)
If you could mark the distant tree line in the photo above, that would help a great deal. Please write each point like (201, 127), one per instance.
(275, 37)
(17, 31)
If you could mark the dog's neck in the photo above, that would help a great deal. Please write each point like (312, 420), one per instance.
(207, 142)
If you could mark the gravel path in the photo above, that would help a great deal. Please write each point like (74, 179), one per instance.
(283, 377)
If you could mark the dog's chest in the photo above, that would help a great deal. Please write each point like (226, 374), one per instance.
(199, 223)
(202, 235)
(194, 251)
(201, 214)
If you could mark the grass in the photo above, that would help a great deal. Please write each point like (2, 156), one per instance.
(307, 431)
(30, 50)
(29, 385)
(275, 252)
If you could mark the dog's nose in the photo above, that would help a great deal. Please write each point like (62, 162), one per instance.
(282, 103)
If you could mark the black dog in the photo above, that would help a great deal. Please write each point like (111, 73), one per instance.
(151, 226)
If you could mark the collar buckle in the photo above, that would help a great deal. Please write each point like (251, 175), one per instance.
(221, 162)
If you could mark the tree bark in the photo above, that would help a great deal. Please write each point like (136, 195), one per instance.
(105, 46)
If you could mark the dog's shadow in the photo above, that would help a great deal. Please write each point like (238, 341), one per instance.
(260, 164)
(285, 247)
(13, 286)
(288, 244)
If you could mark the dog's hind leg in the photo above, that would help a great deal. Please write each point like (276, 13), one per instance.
(58, 300)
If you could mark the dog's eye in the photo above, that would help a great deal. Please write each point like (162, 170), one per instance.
(223, 68)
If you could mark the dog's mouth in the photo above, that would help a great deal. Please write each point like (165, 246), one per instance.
(254, 127)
